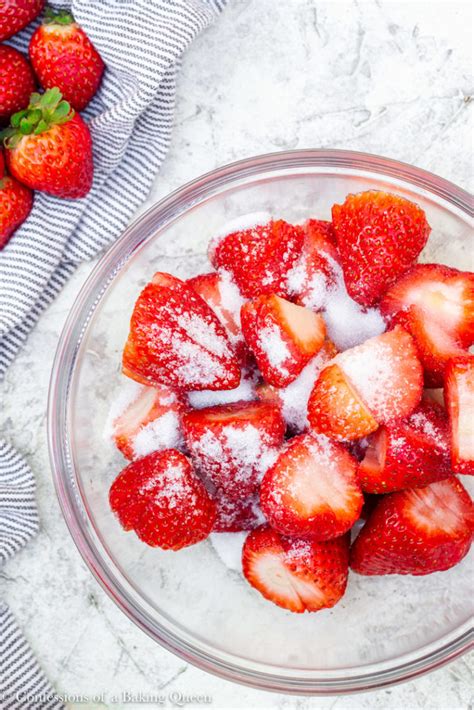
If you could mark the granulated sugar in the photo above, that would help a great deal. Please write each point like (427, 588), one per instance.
(228, 547)
(162, 433)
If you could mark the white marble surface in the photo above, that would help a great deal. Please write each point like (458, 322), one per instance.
(386, 77)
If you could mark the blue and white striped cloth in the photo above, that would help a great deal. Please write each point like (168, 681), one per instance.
(141, 42)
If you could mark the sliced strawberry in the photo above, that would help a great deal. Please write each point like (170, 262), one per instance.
(298, 575)
(259, 258)
(222, 295)
(416, 531)
(282, 336)
(409, 453)
(146, 419)
(177, 340)
(312, 489)
(233, 445)
(163, 501)
(379, 236)
(293, 399)
(335, 409)
(314, 272)
(459, 398)
(235, 515)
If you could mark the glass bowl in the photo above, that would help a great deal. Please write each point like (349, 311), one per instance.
(385, 629)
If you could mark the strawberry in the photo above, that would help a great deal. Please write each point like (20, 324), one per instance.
(62, 55)
(16, 82)
(259, 258)
(150, 420)
(222, 295)
(233, 445)
(459, 398)
(314, 272)
(282, 336)
(49, 147)
(16, 202)
(436, 304)
(16, 14)
(177, 340)
(312, 489)
(298, 575)
(2, 164)
(409, 453)
(379, 236)
(416, 531)
(236, 515)
(293, 399)
(163, 501)
(335, 408)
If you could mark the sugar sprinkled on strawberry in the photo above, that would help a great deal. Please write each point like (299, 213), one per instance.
(459, 398)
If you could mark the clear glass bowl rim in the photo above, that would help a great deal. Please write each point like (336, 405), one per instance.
(162, 214)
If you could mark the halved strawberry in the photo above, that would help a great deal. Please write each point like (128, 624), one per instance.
(298, 575)
(416, 531)
(163, 501)
(293, 399)
(459, 398)
(233, 445)
(176, 339)
(409, 453)
(312, 489)
(235, 515)
(259, 258)
(146, 419)
(379, 236)
(223, 296)
(314, 271)
(282, 336)
(335, 409)
(435, 303)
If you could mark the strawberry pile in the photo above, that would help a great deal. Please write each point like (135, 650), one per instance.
(47, 145)
(247, 410)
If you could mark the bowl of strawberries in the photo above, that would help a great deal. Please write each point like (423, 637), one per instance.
(261, 421)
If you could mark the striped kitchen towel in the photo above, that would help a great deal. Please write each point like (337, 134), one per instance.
(141, 42)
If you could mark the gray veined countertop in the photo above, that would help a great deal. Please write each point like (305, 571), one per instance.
(392, 78)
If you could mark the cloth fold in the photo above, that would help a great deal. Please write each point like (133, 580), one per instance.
(141, 42)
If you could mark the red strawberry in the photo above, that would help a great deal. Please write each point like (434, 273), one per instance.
(459, 398)
(16, 14)
(149, 421)
(233, 445)
(259, 258)
(379, 236)
(293, 399)
(222, 295)
(16, 202)
(62, 55)
(177, 340)
(163, 501)
(299, 575)
(408, 454)
(373, 383)
(436, 304)
(416, 531)
(282, 336)
(16, 82)
(312, 489)
(235, 515)
(335, 409)
(314, 272)
(49, 148)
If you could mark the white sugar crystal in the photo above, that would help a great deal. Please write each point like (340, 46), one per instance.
(204, 334)
(230, 295)
(295, 396)
(128, 393)
(274, 347)
(245, 221)
(162, 433)
(245, 392)
(228, 547)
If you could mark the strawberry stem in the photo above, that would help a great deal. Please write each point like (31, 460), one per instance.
(43, 112)
(57, 17)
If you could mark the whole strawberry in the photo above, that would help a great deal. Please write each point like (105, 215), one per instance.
(49, 147)
(16, 82)
(16, 201)
(16, 14)
(62, 55)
